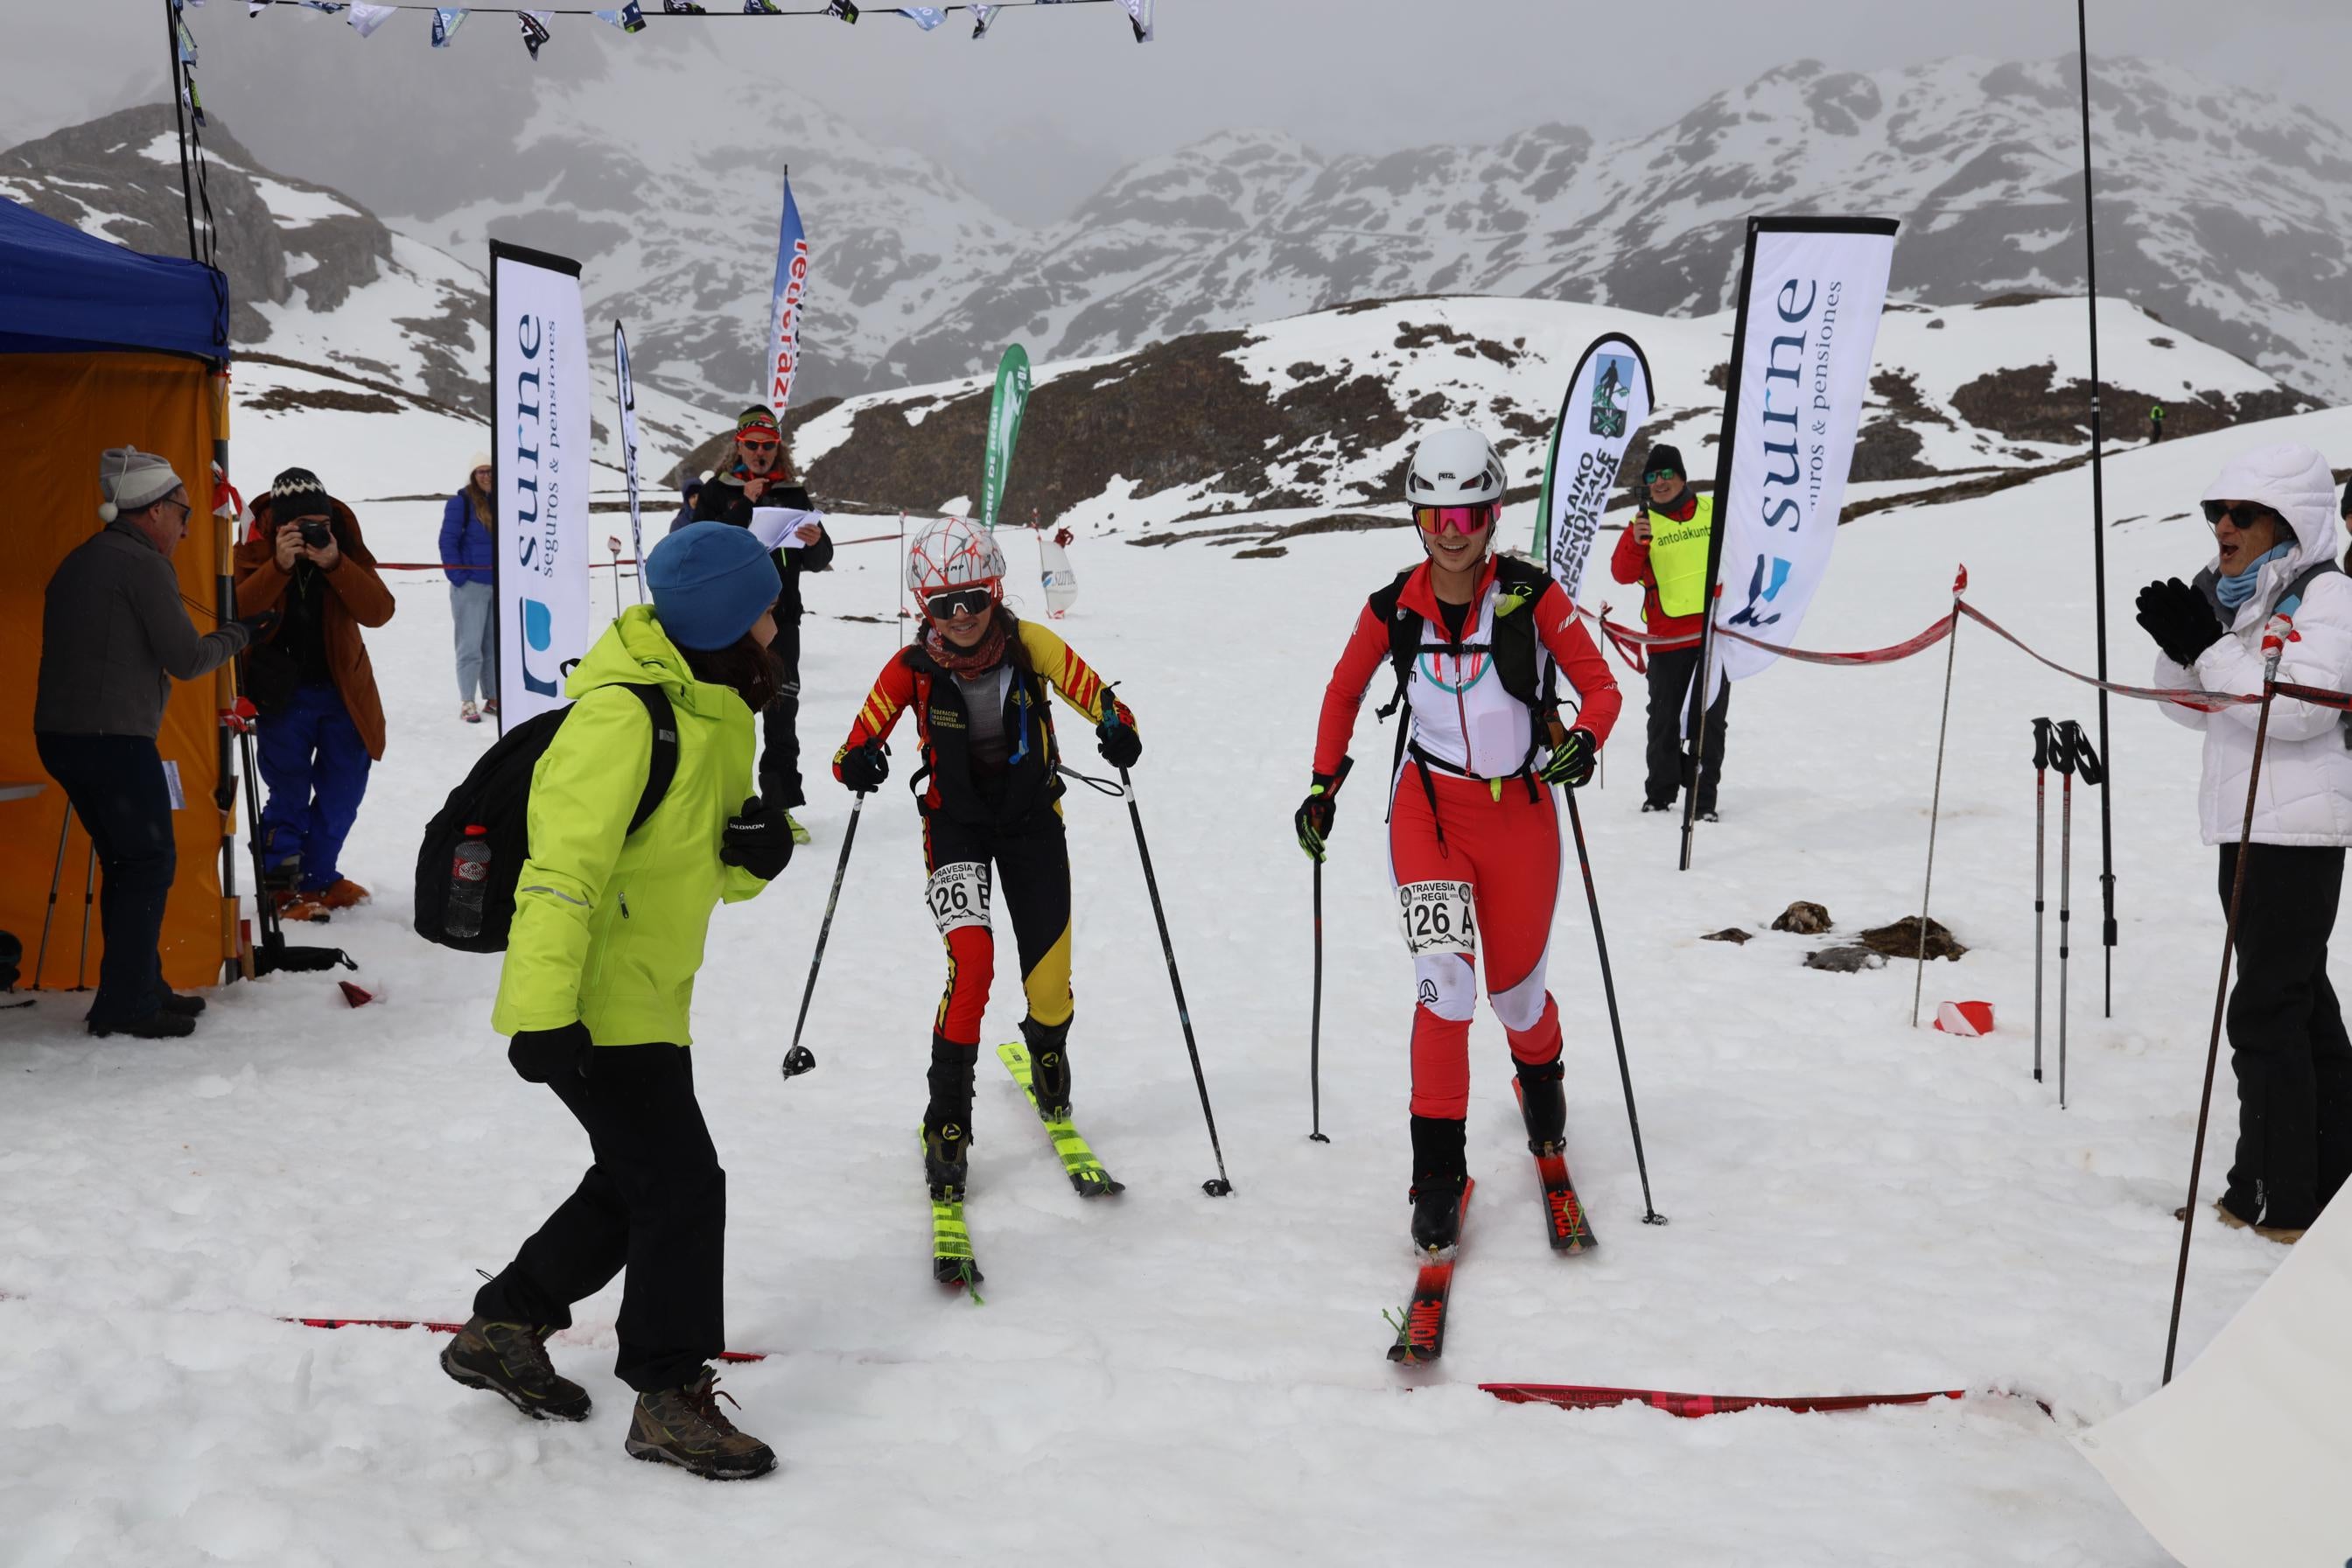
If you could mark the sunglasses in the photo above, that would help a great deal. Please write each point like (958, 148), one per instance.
(1655, 475)
(961, 602)
(753, 444)
(2244, 515)
(1462, 520)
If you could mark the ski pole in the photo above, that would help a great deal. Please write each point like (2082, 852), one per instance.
(800, 1058)
(2041, 857)
(1216, 1186)
(2275, 637)
(1315, 1029)
(1608, 988)
(56, 873)
(2085, 760)
(2063, 756)
(613, 543)
(1936, 801)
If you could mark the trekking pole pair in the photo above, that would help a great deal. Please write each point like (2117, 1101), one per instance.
(2060, 745)
(88, 893)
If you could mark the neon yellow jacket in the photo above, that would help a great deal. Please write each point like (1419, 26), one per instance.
(609, 925)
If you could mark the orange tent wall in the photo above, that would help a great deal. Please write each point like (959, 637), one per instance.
(57, 413)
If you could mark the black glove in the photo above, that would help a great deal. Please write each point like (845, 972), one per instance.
(862, 768)
(758, 839)
(2177, 618)
(538, 1055)
(260, 624)
(1116, 738)
(1572, 760)
(1316, 814)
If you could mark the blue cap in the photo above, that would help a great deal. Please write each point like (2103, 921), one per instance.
(711, 583)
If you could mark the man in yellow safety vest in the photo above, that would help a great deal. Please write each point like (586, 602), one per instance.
(1664, 550)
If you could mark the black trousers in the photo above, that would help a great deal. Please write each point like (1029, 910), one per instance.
(654, 1203)
(2287, 1043)
(116, 784)
(1673, 721)
(780, 725)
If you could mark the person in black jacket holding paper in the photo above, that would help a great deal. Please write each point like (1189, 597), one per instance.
(760, 475)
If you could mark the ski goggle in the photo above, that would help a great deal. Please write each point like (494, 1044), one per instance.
(2242, 515)
(1462, 520)
(959, 602)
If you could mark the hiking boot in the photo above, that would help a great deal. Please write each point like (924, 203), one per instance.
(1049, 1067)
(1648, 805)
(185, 1006)
(1543, 1105)
(342, 893)
(510, 1359)
(1440, 1168)
(684, 1426)
(161, 1024)
(2235, 1219)
(2285, 1234)
(309, 907)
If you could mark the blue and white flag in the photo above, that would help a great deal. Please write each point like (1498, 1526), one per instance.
(981, 16)
(534, 29)
(923, 16)
(628, 19)
(187, 45)
(785, 309)
(1138, 16)
(365, 19)
(446, 20)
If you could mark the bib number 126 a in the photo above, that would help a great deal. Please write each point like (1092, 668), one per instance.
(957, 895)
(1437, 918)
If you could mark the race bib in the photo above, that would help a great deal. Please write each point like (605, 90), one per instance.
(1437, 918)
(957, 895)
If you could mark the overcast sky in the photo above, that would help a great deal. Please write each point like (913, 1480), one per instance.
(1038, 115)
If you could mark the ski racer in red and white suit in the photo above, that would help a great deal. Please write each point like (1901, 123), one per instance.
(1474, 832)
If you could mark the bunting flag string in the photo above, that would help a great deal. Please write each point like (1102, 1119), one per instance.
(446, 20)
(844, 9)
(981, 17)
(924, 16)
(365, 18)
(628, 19)
(533, 25)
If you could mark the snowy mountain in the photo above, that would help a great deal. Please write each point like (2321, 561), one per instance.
(1315, 415)
(332, 313)
(2219, 211)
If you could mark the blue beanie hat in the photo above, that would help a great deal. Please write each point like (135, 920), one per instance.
(711, 583)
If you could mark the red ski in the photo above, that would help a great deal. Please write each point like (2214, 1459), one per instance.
(1421, 1334)
(1566, 1225)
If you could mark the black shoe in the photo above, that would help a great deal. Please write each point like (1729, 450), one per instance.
(1049, 1067)
(1657, 805)
(1709, 815)
(1543, 1105)
(159, 1024)
(510, 1361)
(187, 1006)
(945, 1146)
(1440, 1168)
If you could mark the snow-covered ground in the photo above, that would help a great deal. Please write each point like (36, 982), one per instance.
(1856, 1205)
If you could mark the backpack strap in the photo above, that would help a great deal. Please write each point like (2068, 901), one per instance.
(663, 767)
(1404, 637)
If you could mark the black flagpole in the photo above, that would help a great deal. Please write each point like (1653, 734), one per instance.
(2098, 527)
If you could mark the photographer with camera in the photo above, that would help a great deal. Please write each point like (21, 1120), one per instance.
(322, 723)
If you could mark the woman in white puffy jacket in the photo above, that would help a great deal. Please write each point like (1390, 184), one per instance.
(2274, 517)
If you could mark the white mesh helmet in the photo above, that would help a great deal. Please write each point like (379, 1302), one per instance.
(1453, 466)
(954, 552)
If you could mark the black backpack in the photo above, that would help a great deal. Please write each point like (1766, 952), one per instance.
(1514, 647)
(496, 796)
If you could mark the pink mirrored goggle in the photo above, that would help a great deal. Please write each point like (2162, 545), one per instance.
(1462, 520)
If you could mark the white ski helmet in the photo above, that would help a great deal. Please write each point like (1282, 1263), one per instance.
(1455, 466)
(954, 552)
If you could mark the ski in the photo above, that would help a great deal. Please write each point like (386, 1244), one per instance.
(1086, 1172)
(1421, 1332)
(1566, 1225)
(952, 1264)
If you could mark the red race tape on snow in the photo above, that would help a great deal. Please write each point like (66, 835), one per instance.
(1582, 1397)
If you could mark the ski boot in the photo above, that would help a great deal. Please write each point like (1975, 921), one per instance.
(1544, 1106)
(684, 1426)
(1440, 1168)
(947, 1119)
(1049, 1067)
(945, 1146)
(510, 1361)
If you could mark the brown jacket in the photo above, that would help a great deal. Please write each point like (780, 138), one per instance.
(358, 599)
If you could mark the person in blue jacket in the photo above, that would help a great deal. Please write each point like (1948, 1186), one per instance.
(467, 549)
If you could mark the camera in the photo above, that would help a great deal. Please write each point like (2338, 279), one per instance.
(316, 533)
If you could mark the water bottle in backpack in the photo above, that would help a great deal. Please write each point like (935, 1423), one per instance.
(469, 876)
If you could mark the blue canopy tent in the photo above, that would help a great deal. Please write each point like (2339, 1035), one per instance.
(101, 346)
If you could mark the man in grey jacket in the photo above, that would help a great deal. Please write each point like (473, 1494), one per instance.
(114, 636)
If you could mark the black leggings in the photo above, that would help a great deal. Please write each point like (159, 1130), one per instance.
(654, 1203)
(2287, 1045)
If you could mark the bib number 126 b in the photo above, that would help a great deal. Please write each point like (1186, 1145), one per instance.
(1437, 918)
(957, 895)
